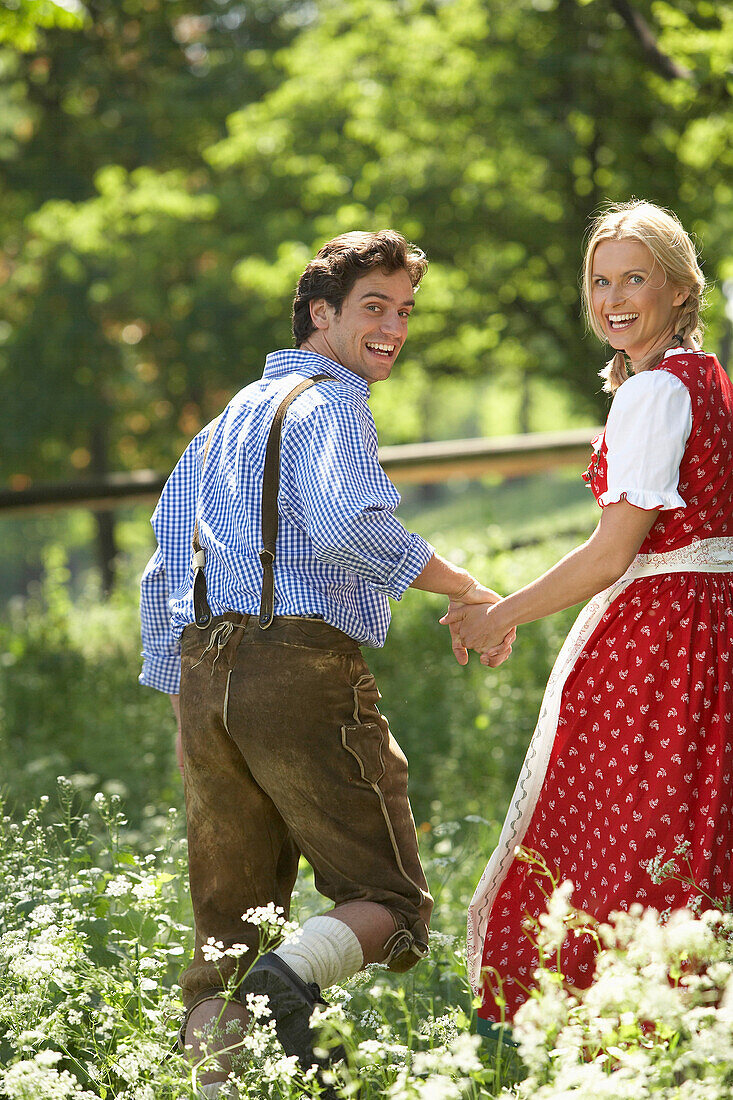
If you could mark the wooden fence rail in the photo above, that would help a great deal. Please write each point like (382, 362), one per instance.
(508, 456)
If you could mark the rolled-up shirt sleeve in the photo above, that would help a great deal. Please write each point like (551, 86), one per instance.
(345, 503)
(161, 651)
(647, 430)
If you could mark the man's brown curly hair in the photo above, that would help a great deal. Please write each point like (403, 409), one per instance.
(336, 267)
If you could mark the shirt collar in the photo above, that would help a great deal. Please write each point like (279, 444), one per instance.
(681, 351)
(289, 360)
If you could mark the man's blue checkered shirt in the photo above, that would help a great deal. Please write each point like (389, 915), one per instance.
(340, 551)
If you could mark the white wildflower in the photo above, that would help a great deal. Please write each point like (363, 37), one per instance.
(459, 1056)
(439, 1087)
(554, 923)
(39, 1079)
(443, 1028)
(118, 886)
(51, 955)
(442, 940)
(138, 1058)
(281, 1068)
(149, 965)
(213, 950)
(338, 996)
(659, 1010)
(322, 1013)
(258, 1006)
(41, 916)
(237, 950)
(146, 890)
(141, 1091)
(370, 1019)
(270, 915)
(372, 1049)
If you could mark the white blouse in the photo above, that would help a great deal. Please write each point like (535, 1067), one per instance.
(647, 429)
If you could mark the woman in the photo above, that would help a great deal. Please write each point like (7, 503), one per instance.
(633, 752)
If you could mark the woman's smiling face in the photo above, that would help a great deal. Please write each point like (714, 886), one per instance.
(632, 300)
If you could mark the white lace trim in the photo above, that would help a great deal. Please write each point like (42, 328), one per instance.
(647, 499)
(703, 556)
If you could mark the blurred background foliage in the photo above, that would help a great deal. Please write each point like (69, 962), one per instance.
(167, 167)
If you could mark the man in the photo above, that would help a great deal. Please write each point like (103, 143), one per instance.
(284, 749)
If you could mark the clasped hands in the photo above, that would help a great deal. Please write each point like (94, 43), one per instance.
(476, 621)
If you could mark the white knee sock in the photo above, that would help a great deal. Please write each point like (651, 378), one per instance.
(324, 950)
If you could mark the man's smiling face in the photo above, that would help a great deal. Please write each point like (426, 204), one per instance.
(366, 335)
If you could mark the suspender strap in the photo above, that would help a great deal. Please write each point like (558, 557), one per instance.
(270, 489)
(201, 609)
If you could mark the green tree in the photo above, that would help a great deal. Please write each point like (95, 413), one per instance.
(487, 130)
(114, 313)
(21, 20)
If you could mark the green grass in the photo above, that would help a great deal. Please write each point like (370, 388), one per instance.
(473, 516)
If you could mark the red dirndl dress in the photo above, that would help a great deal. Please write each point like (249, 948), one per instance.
(633, 752)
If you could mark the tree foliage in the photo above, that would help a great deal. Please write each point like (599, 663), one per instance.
(168, 166)
(488, 132)
(21, 20)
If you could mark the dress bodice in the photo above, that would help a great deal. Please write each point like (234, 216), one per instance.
(706, 470)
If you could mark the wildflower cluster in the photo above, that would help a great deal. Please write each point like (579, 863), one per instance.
(89, 944)
(94, 934)
(656, 1020)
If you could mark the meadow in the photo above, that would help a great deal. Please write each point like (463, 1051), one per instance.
(94, 916)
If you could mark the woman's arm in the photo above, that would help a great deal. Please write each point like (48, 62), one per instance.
(579, 575)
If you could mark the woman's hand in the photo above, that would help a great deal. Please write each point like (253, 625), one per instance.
(480, 626)
(582, 573)
(461, 589)
(479, 599)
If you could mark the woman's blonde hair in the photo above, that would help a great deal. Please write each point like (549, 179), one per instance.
(673, 251)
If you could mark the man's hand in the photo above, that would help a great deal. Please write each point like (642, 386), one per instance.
(463, 591)
(478, 599)
(176, 704)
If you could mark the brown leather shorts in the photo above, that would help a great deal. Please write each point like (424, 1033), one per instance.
(285, 752)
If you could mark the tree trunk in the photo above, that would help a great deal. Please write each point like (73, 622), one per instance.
(525, 402)
(106, 549)
(106, 520)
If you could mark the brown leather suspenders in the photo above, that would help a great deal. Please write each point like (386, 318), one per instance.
(270, 489)
(201, 609)
(269, 519)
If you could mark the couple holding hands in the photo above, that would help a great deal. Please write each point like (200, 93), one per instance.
(277, 553)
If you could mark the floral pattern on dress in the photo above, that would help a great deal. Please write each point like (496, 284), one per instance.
(642, 754)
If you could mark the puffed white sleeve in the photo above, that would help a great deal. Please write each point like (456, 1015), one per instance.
(647, 429)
